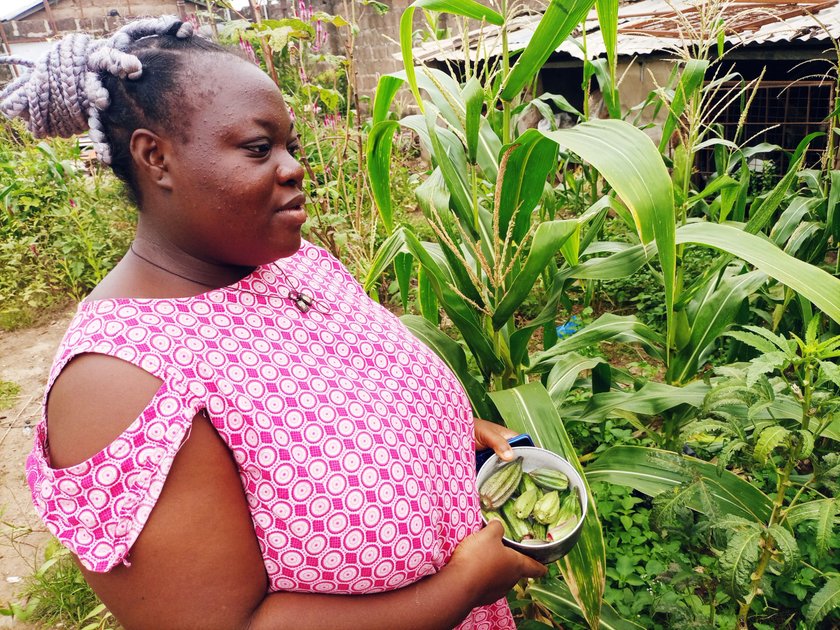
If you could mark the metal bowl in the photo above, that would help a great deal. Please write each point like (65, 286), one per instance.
(533, 457)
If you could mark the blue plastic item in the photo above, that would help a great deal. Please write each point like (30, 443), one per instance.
(569, 328)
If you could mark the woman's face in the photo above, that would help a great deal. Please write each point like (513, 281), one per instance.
(236, 186)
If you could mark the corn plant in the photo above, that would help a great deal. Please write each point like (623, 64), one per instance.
(700, 309)
(486, 201)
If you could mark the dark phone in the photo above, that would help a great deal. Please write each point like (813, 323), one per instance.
(519, 440)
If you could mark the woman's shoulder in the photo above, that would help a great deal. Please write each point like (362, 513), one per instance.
(317, 262)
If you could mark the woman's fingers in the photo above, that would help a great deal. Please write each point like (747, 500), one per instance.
(495, 436)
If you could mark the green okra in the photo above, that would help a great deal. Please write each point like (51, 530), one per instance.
(518, 527)
(524, 504)
(499, 487)
(549, 479)
(547, 508)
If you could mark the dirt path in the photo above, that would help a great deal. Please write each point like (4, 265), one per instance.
(25, 358)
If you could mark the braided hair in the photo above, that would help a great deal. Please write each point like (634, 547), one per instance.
(108, 87)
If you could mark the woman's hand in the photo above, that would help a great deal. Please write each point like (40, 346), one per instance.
(495, 436)
(487, 568)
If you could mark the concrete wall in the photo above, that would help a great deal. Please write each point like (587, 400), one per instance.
(376, 49)
(93, 16)
(378, 40)
(640, 78)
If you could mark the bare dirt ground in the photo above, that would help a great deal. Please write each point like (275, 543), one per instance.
(25, 358)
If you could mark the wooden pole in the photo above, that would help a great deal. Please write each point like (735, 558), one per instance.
(255, 14)
(50, 17)
(8, 49)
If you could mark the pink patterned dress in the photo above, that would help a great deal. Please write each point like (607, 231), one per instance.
(354, 441)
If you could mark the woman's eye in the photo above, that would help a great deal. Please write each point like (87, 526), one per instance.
(294, 149)
(259, 149)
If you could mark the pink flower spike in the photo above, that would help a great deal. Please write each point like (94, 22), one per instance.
(72, 203)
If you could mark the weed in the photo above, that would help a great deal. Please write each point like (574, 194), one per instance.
(61, 229)
(58, 596)
(9, 393)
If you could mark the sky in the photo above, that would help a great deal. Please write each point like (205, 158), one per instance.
(8, 8)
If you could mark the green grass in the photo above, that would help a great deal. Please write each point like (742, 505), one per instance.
(9, 393)
(57, 596)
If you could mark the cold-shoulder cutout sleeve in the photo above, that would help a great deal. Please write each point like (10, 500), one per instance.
(97, 508)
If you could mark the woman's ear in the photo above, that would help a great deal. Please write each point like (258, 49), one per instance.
(151, 156)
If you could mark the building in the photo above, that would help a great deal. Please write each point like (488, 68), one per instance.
(27, 25)
(785, 47)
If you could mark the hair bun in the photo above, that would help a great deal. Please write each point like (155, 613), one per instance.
(52, 96)
(62, 93)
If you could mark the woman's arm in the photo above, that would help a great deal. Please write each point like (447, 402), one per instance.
(197, 563)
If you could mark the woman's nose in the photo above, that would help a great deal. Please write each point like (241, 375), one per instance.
(290, 170)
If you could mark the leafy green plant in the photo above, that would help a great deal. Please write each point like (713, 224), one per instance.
(8, 394)
(61, 229)
(778, 413)
(56, 595)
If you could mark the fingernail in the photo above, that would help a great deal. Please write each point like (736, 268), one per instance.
(507, 454)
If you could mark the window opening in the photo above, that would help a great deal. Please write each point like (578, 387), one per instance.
(781, 113)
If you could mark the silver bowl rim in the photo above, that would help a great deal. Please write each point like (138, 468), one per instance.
(584, 497)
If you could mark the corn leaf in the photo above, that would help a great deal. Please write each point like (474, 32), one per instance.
(608, 327)
(520, 338)
(565, 372)
(466, 8)
(462, 313)
(446, 95)
(379, 148)
(426, 301)
(831, 208)
(386, 89)
(621, 264)
(690, 82)
(473, 95)
(556, 596)
(453, 166)
(653, 471)
(608, 27)
(760, 214)
(529, 409)
(558, 21)
(525, 166)
(709, 316)
(650, 400)
(599, 68)
(627, 159)
(810, 281)
(798, 209)
(548, 239)
(433, 198)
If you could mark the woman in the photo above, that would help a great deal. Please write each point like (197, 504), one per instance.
(237, 436)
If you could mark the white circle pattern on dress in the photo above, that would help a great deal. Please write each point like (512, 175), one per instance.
(353, 439)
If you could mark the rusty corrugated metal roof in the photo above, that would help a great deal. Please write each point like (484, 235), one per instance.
(644, 29)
